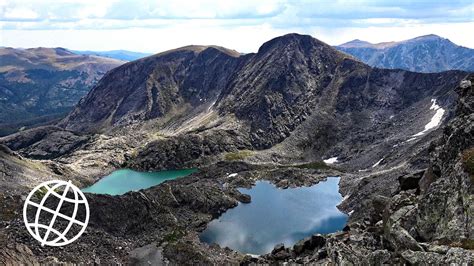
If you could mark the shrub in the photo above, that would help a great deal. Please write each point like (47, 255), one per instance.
(238, 155)
(468, 161)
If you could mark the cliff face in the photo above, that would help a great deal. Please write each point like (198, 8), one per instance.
(154, 87)
(446, 208)
(428, 53)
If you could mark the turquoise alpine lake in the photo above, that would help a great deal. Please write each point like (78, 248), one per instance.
(124, 180)
(278, 216)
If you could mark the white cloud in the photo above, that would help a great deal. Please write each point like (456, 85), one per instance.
(154, 26)
(20, 13)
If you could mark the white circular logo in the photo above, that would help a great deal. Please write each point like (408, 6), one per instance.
(51, 210)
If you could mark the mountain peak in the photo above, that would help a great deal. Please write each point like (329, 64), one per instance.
(200, 48)
(428, 37)
(427, 53)
(289, 39)
(356, 43)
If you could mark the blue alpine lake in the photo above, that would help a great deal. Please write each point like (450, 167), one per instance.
(278, 216)
(124, 180)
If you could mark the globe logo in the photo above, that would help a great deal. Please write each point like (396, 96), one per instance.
(56, 213)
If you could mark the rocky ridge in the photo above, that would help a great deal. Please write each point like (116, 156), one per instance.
(429, 53)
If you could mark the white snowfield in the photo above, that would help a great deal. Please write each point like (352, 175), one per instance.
(435, 120)
(330, 160)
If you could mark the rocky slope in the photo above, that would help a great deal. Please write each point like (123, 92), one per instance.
(38, 85)
(278, 112)
(295, 89)
(428, 53)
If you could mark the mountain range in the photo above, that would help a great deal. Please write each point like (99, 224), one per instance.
(39, 85)
(429, 53)
(122, 55)
(401, 142)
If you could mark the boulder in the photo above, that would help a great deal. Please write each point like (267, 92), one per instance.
(309, 244)
(278, 248)
(400, 239)
(279, 252)
(425, 181)
(410, 181)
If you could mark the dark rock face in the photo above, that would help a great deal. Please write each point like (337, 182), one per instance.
(153, 87)
(410, 181)
(44, 142)
(429, 53)
(309, 244)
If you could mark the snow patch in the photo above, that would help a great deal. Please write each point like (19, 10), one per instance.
(350, 213)
(253, 255)
(210, 106)
(232, 175)
(377, 163)
(435, 120)
(345, 197)
(330, 160)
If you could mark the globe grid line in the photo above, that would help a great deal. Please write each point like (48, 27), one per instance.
(43, 200)
(52, 212)
(56, 213)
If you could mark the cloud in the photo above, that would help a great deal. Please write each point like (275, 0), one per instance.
(20, 13)
(278, 12)
(239, 24)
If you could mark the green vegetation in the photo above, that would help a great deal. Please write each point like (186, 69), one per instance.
(468, 162)
(40, 193)
(238, 155)
(174, 236)
(313, 165)
(465, 243)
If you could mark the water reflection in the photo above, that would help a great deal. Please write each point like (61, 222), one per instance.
(278, 216)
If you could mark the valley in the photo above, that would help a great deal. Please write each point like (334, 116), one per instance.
(39, 86)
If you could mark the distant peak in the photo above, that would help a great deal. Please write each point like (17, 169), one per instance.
(356, 43)
(63, 51)
(424, 38)
(200, 48)
(429, 36)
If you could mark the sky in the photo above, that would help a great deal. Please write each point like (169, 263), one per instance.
(243, 25)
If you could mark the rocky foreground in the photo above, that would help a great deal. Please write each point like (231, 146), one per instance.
(409, 197)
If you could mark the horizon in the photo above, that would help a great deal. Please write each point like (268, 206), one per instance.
(156, 26)
(151, 53)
